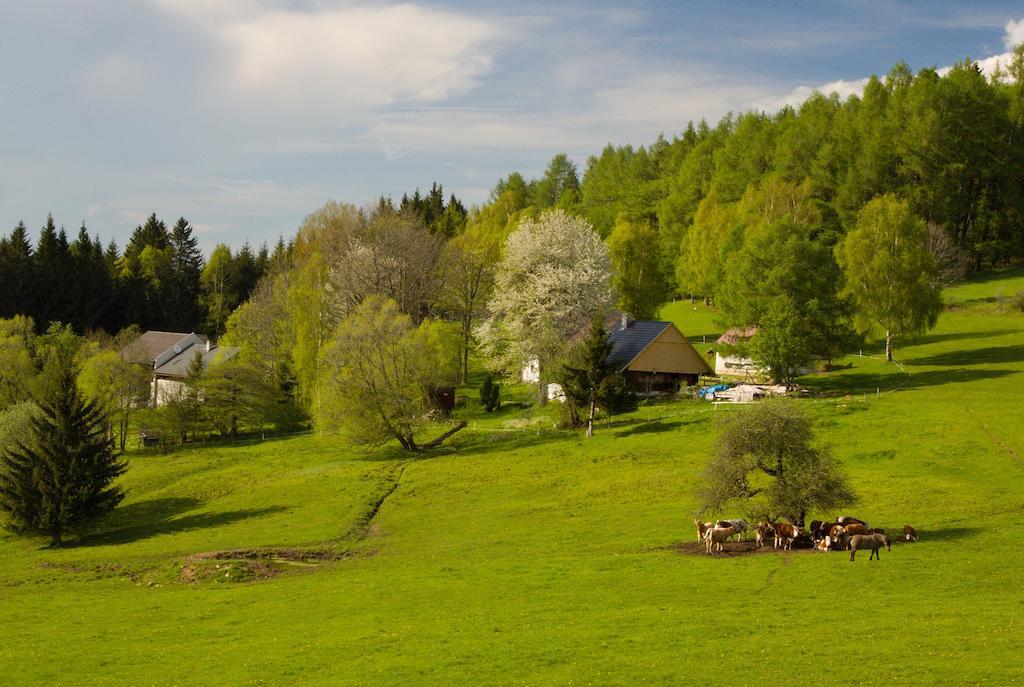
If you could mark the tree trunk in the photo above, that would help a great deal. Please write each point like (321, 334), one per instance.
(55, 538)
(590, 418)
(888, 346)
(803, 516)
(438, 441)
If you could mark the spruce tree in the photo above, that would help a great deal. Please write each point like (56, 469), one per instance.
(63, 475)
(590, 381)
(17, 275)
(186, 268)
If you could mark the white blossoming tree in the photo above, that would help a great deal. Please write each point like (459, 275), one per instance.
(554, 277)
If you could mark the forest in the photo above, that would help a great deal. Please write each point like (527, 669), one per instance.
(765, 215)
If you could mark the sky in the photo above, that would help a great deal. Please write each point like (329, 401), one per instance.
(246, 115)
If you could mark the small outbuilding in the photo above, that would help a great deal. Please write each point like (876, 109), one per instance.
(655, 356)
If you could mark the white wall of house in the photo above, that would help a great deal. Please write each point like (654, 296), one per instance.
(166, 389)
(734, 365)
(530, 372)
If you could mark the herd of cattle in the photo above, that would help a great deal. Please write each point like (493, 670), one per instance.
(846, 533)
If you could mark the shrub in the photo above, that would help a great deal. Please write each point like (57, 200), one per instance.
(490, 394)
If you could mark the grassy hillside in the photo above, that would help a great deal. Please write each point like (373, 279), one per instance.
(527, 556)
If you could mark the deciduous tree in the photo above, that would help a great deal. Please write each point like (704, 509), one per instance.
(891, 276)
(765, 457)
(379, 370)
(554, 277)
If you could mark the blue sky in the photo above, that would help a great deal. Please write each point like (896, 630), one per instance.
(246, 115)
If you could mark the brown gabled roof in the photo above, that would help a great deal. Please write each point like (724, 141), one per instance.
(147, 347)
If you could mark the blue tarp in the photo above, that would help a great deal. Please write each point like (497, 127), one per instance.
(708, 390)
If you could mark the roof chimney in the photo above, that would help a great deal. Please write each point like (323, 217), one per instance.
(626, 320)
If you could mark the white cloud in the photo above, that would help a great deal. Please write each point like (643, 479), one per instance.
(1013, 37)
(328, 60)
(1014, 33)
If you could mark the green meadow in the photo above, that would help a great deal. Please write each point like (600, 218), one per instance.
(525, 555)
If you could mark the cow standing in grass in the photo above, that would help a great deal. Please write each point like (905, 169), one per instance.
(785, 534)
(763, 532)
(702, 528)
(738, 526)
(715, 538)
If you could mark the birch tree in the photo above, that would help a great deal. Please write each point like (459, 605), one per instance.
(891, 275)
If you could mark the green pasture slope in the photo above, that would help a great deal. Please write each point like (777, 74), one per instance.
(527, 556)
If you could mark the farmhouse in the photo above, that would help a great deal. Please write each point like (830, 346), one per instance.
(655, 356)
(729, 362)
(168, 355)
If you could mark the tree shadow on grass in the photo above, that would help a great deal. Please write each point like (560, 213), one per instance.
(928, 339)
(656, 426)
(948, 533)
(144, 519)
(868, 383)
(482, 442)
(977, 356)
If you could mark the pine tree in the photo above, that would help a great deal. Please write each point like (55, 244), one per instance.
(590, 381)
(93, 293)
(490, 394)
(52, 262)
(244, 273)
(17, 275)
(63, 476)
(186, 269)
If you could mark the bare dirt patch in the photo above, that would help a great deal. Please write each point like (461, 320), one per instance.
(731, 550)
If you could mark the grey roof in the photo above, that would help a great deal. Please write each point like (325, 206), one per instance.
(151, 344)
(628, 342)
(178, 365)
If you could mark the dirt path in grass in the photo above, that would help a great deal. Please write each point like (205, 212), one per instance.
(1002, 445)
(266, 562)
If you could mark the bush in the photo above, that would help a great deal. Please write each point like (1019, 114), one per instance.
(16, 423)
(490, 394)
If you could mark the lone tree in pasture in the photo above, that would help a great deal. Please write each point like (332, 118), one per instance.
(553, 278)
(379, 371)
(62, 475)
(765, 456)
(891, 275)
(590, 382)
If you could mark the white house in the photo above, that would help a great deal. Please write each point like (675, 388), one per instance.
(168, 355)
(732, 363)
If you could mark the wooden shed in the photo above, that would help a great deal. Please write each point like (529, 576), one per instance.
(655, 356)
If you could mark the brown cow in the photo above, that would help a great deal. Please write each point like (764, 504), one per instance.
(785, 533)
(909, 533)
(763, 531)
(849, 520)
(856, 528)
(868, 541)
(702, 527)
